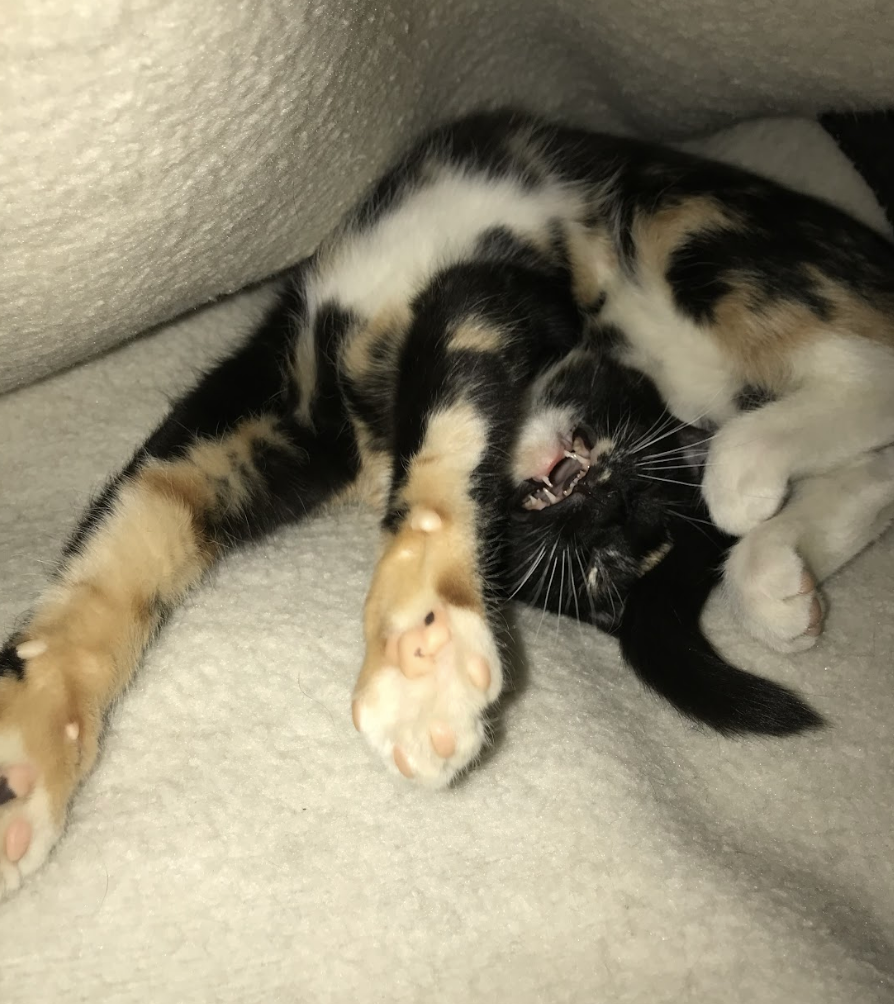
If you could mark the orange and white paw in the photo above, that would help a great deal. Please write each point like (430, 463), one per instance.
(432, 667)
(40, 755)
(29, 828)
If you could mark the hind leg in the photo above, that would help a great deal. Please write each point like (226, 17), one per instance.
(433, 664)
(223, 467)
(771, 575)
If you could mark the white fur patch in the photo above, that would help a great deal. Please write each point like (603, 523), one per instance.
(694, 375)
(542, 442)
(429, 229)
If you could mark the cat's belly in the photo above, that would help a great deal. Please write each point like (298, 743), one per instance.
(694, 375)
(435, 225)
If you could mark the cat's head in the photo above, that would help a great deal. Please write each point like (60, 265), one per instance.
(603, 475)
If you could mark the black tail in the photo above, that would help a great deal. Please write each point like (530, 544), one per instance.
(663, 643)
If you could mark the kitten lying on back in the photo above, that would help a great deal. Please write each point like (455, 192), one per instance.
(411, 362)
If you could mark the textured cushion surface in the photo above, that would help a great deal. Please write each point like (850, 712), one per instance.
(158, 153)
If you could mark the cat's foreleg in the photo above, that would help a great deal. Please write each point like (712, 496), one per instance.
(771, 575)
(228, 463)
(841, 405)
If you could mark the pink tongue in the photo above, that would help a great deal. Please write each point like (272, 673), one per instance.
(564, 471)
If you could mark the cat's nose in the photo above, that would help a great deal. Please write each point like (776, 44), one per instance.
(606, 502)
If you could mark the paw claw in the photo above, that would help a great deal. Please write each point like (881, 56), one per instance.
(426, 520)
(815, 624)
(31, 649)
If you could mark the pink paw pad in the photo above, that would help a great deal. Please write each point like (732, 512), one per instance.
(18, 839)
(443, 739)
(414, 651)
(16, 782)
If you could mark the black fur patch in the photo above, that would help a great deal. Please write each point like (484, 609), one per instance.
(751, 398)
(663, 643)
(6, 793)
(10, 663)
(867, 140)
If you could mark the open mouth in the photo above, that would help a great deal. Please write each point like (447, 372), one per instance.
(547, 490)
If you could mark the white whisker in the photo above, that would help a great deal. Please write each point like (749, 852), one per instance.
(670, 481)
(548, 590)
(530, 572)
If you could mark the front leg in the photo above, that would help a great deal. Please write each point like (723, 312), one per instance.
(842, 407)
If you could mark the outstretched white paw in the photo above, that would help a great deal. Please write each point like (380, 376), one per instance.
(432, 665)
(774, 593)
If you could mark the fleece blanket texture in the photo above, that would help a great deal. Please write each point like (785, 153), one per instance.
(158, 153)
(238, 844)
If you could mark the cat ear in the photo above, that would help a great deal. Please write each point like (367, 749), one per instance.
(694, 443)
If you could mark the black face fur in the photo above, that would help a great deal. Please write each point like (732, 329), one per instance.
(629, 478)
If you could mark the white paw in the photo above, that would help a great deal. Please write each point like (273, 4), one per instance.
(422, 710)
(773, 593)
(745, 480)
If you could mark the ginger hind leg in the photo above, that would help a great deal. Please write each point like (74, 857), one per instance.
(222, 469)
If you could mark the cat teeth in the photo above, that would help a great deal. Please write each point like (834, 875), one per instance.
(540, 499)
(562, 479)
(576, 480)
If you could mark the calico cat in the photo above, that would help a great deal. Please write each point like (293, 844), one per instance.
(424, 360)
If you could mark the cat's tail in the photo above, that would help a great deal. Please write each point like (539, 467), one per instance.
(662, 641)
